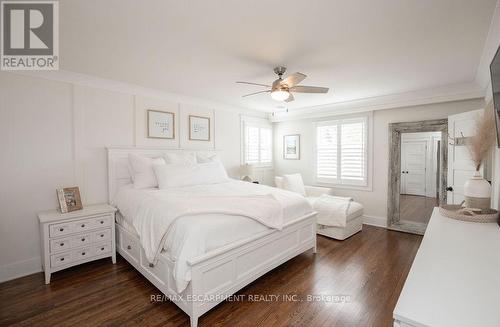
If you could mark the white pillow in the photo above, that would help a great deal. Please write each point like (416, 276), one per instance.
(207, 157)
(141, 169)
(294, 183)
(180, 158)
(178, 175)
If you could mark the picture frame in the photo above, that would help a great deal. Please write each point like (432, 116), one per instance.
(69, 199)
(291, 147)
(161, 124)
(199, 128)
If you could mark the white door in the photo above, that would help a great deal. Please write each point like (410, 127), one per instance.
(413, 164)
(460, 165)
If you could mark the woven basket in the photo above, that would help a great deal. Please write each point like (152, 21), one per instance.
(480, 203)
(457, 212)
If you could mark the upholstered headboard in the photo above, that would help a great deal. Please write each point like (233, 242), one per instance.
(118, 169)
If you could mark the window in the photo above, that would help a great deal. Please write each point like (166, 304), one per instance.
(257, 143)
(342, 152)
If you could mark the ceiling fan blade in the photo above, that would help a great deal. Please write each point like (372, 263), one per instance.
(293, 79)
(290, 98)
(247, 95)
(309, 89)
(250, 83)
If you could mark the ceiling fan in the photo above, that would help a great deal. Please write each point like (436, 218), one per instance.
(282, 88)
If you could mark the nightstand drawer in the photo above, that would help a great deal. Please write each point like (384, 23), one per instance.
(104, 221)
(81, 240)
(57, 260)
(60, 229)
(102, 235)
(59, 245)
(102, 249)
(82, 254)
(83, 225)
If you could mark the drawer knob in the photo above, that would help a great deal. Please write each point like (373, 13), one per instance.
(62, 259)
(61, 244)
(102, 222)
(83, 225)
(102, 249)
(83, 239)
(102, 235)
(83, 253)
(129, 247)
(61, 229)
(151, 265)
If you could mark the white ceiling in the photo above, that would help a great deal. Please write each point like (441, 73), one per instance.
(358, 48)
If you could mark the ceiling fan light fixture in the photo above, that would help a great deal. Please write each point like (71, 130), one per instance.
(280, 95)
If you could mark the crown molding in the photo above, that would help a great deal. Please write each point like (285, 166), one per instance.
(455, 92)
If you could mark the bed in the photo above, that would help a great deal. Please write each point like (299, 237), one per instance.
(198, 267)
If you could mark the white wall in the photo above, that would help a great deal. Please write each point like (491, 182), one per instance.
(54, 134)
(375, 201)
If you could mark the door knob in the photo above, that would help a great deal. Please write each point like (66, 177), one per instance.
(449, 188)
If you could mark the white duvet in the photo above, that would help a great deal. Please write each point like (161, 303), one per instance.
(187, 222)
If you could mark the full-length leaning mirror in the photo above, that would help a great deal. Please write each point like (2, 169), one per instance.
(417, 173)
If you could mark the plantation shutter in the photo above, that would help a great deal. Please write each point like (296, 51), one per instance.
(257, 143)
(341, 152)
(353, 152)
(251, 145)
(265, 145)
(326, 157)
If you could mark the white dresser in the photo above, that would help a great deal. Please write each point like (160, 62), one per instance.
(455, 277)
(72, 238)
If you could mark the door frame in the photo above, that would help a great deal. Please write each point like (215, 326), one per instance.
(394, 180)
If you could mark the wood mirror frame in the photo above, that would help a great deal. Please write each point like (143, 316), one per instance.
(395, 130)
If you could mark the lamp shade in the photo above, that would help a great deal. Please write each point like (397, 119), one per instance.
(246, 170)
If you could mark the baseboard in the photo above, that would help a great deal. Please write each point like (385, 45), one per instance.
(375, 221)
(20, 268)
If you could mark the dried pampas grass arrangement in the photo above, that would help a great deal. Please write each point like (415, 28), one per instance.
(484, 137)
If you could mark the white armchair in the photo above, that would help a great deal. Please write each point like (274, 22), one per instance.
(351, 215)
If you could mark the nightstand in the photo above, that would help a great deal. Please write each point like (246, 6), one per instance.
(73, 238)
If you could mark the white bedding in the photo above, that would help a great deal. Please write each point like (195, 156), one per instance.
(193, 235)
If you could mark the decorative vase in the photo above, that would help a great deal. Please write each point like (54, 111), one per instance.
(477, 192)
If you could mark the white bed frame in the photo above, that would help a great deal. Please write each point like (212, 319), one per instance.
(219, 273)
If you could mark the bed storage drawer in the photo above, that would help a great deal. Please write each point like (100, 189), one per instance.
(129, 245)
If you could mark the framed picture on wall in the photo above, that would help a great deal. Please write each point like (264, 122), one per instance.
(199, 128)
(291, 147)
(161, 124)
(69, 199)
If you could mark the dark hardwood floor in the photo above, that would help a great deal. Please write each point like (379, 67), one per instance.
(370, 268)
(416, 208)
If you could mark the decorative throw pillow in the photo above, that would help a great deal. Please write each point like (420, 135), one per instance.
(180, 158)
(207, 157)
(141, 169)
(294, 183)
(178, 175)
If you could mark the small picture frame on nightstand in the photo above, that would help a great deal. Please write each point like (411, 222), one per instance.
(69, 199)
